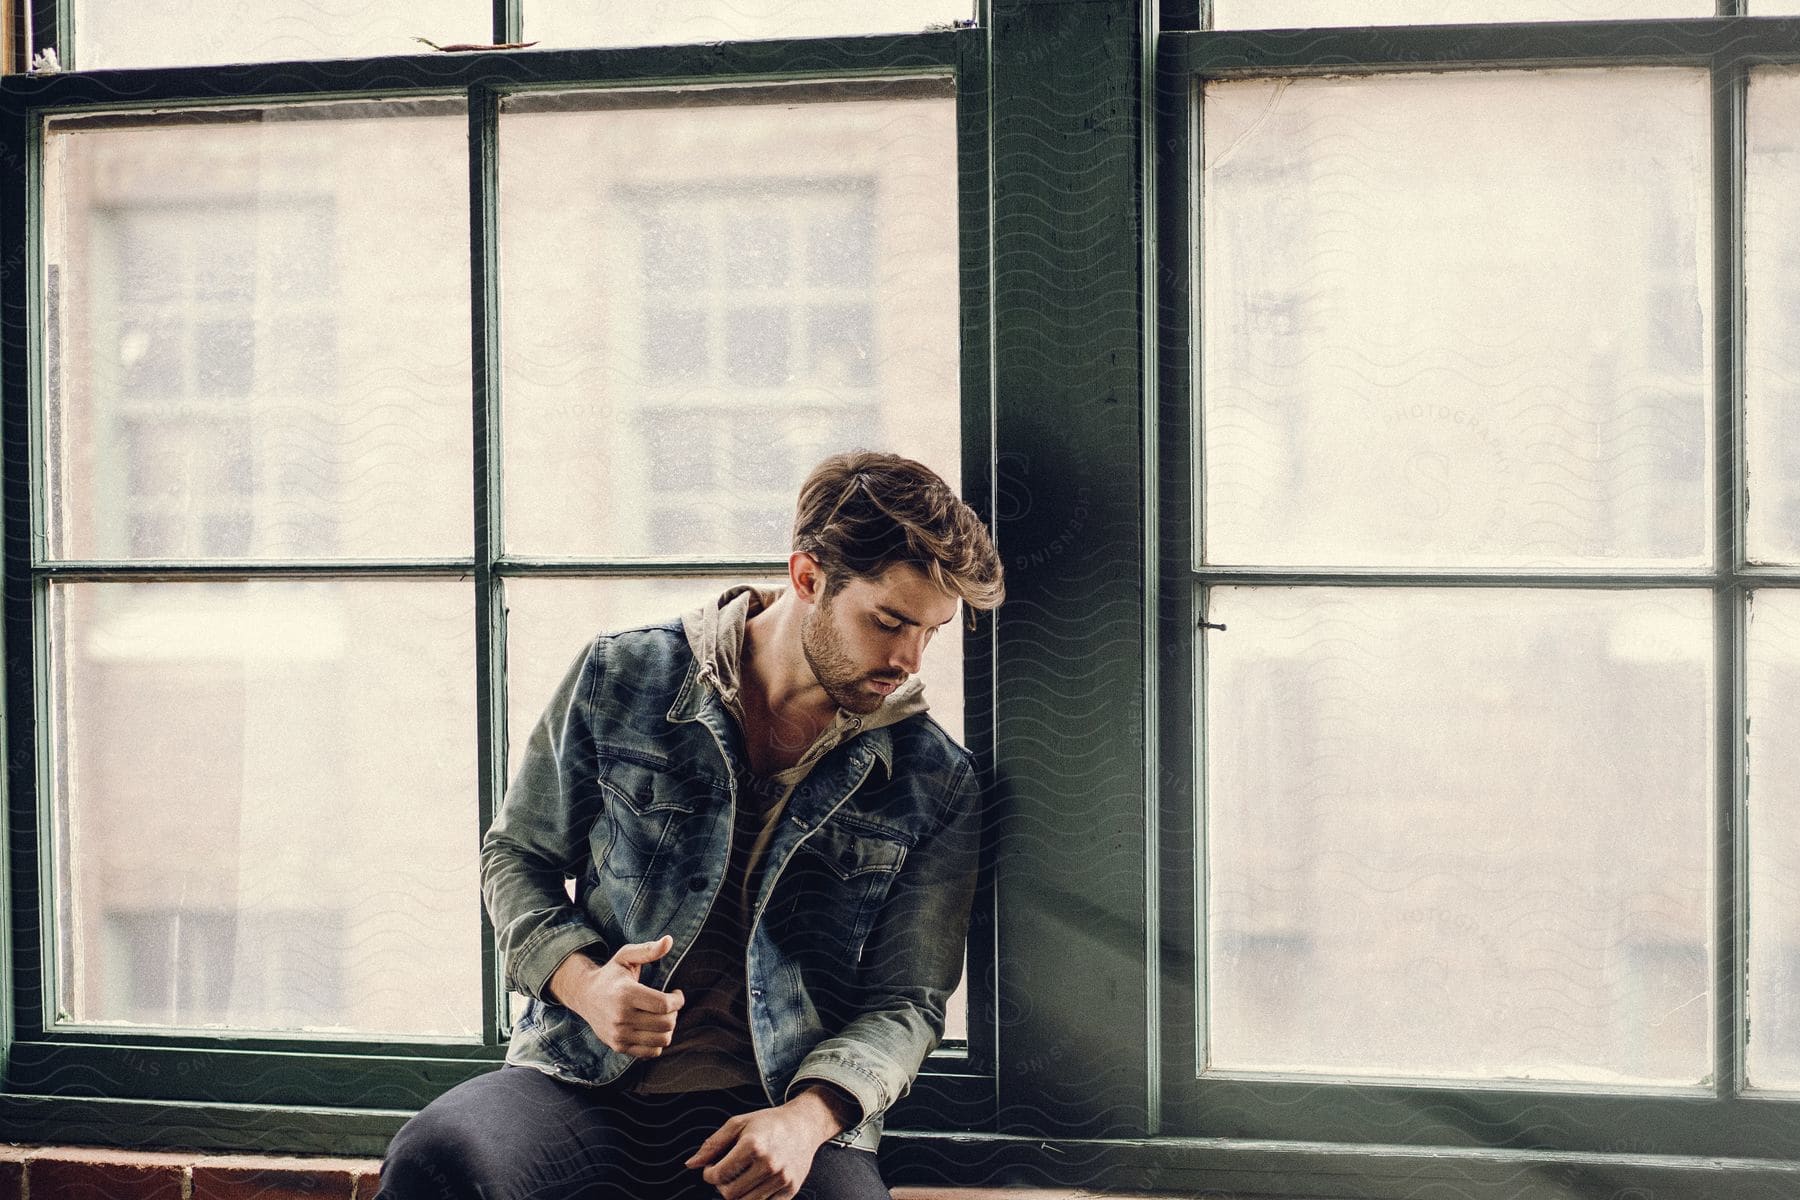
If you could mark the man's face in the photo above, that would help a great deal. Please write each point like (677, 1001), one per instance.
(865, 637)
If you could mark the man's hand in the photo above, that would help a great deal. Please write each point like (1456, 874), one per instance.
(766, 1155)
(628, 1016)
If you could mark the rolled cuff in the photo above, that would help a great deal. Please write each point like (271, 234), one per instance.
(532, 966)
(862, 1085)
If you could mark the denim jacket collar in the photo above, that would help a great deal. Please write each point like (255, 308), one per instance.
(715, 632)
(695, 702)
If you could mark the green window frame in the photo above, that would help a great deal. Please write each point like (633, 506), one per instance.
(1078, 257)
(282, 1094)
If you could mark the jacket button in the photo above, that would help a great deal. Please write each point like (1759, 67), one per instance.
(697, 883)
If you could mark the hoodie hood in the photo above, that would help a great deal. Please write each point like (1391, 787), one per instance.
(715, 633)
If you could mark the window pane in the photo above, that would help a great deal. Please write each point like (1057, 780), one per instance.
(549, 623)
(176, 33)
(1772, 317)
(706, 292)
(1459, 320)
(1773, 662)
(566, 23)
(1300, 14)
(264, 354)
(266, 805)
(1460, 834)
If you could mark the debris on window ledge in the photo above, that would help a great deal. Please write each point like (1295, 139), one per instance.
(456, 47)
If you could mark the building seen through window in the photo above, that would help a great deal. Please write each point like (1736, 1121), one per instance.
(264, 359)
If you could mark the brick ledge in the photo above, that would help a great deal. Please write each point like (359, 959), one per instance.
(97, 1173)
(94, 1173)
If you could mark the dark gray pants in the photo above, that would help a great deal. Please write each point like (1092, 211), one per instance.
(517, 1134)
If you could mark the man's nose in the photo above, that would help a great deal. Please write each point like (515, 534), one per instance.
(907, 654)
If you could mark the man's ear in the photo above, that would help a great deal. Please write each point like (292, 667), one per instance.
(806, 577)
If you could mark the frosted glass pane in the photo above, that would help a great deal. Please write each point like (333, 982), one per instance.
(1773, 664)
(549, 623)
(1460, 834)
(176, 33)
(667, 22)
(1771, 8)
(265, 353)
(1772, 316)
(706, 292)
(267, 794)
(1301, 14)
(1458, 320)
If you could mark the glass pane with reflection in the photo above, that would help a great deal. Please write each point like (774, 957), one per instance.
(1303, 14)
(1772, 315)
(705, 292)
(264, 354)
(1773, 664)
(1460, 834)
(671, 22)
(550, 622)
(181, 33)
(1459, 320)
(267, 806)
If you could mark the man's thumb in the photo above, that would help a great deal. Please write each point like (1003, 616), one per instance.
(634, 954)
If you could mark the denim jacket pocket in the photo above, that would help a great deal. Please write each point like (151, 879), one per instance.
(642, 802)
(835, 885)
(646, 807)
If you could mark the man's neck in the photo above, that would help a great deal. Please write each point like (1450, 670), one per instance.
(772, 667)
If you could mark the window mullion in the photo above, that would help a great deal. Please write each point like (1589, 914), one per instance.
(1731, 1028)
(26, 940)
(490, 611)
(975, 292)
(509, 20)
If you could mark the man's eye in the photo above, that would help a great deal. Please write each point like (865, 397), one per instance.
(894, 628)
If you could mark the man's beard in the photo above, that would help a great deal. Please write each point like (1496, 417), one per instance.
(833, 669)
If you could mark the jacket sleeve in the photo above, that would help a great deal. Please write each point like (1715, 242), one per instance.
(540, 836)
(912, 962)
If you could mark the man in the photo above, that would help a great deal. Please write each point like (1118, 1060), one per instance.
(773, 848)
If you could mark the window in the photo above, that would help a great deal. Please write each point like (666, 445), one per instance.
(1486, 620)
(1386, 430)
(350, 431)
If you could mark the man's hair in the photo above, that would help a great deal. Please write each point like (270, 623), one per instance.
(863, 511)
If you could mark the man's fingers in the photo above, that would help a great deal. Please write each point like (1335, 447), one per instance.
(735, 1163)
(639, 1022)
(647, 999)
(634, 1027)
(645, 1034)
(636, 954)
(752, 1182)
(630, 1035)
(772, 1189)
(713, 1146)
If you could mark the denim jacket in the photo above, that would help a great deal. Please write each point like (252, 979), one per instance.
(628, 785)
